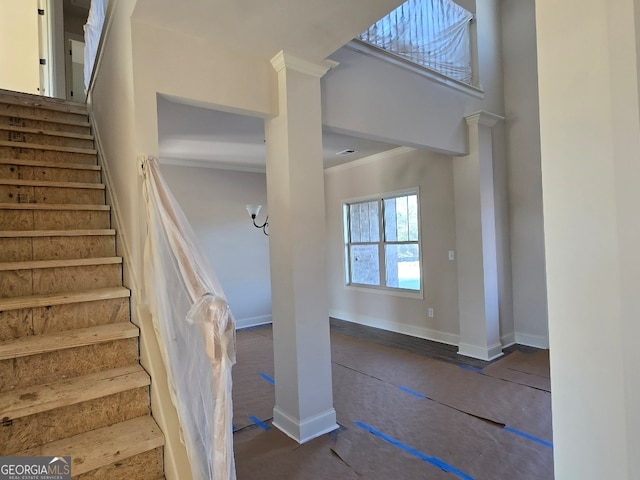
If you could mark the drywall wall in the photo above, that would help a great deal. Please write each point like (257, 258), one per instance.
(111, 104)
(214, 202)
(525, 176)
(588, 75)
(397, 170)
(20, 51)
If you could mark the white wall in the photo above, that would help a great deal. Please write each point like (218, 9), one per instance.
(525, 183)
(214, 202)
(19, 53)
(590, 138)
(401, 169)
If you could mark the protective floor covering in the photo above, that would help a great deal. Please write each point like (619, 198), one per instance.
(402, 416)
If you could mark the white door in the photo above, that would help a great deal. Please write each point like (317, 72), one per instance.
(20, 51)
(75, 71)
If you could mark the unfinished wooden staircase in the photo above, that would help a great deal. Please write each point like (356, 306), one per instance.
(70, 379)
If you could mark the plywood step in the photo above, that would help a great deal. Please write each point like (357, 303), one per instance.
(33, 301)
(39, 344)
(42, 191)
(42, 216)
(37, 146)
(40, 398)
(41, 164)
(42, 314)
(20, 279)
(50, 173)
(41, 264)
(105, 446)
(24, 246)
(80, 126)
(51, 133)
(53, 139)
(41, 103)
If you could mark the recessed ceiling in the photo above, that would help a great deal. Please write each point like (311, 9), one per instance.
(196, 135)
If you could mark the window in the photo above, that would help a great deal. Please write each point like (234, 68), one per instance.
(431, 33)
(382, 246)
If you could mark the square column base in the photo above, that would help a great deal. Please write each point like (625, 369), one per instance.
(482, 353)
(308, 429)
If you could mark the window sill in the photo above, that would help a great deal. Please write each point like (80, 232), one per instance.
(363, 47)
(418, 295)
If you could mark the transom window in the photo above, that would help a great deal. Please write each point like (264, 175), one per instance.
(382, 247)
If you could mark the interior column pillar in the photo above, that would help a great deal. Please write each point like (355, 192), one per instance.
(297, 247)
(476, 242)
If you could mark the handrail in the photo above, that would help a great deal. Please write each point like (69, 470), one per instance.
(195, 327)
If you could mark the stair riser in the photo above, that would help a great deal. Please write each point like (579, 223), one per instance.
(72, 362)
(43, 125)
(56, 248)
(41, 320)
(45, 114)
(24, 220)
(41, 428)
(40, 139)
(146, 466)
(48, 155)
(51, 195)
(19, 283)
(22, 172)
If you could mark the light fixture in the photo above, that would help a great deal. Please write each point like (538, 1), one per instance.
(253, 211)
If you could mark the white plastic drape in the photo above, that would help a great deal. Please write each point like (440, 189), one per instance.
(432, 33)
(196, 331)
(92, 32)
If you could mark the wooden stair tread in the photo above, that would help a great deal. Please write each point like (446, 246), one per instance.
(77, 262)
(51, 342)
(46, 183)
(52, 206)
(36, 118)
(47, 103)
(104, 446)
(39, 146)
(50, 299)
(38, 163)
(41, 398)
(56, 233)
(51, 133)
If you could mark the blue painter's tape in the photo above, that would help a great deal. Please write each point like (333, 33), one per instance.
(268, 378)
(233, 428)
(412, 392)
(529, 437)
(259, 422)
(471, 369)
(432, 460)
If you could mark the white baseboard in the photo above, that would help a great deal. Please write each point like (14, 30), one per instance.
(252, 321)
(483, 353)
(420, 332)
(305, 430)
(537, 341)
(508, 340)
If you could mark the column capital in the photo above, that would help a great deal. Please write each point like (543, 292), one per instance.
(482, 117)
(284, 60)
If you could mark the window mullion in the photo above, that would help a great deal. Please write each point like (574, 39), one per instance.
(381, 243)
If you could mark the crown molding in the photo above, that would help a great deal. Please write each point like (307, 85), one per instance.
(286, 60)
(482, 117)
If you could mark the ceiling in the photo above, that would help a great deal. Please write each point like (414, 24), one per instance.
(310, 29)
(196, 135)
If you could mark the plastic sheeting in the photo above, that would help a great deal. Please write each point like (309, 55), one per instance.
(92, 32)
(195, 328)
(432, 33)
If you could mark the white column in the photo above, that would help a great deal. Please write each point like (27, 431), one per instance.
(588, 69)
(297, 244)
(476, 242)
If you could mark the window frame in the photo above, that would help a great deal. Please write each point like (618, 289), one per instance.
(381, 288)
